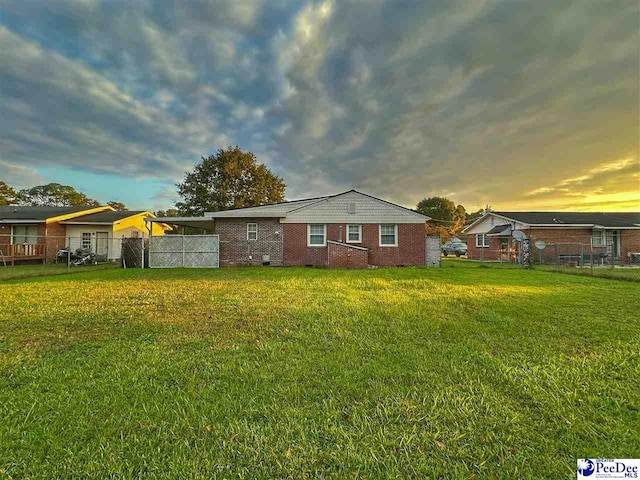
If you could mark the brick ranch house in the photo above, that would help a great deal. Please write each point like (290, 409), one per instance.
(601, 234)
(37, 233)
(348, 230)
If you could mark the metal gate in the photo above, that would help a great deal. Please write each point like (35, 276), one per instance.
(189, 251)
(433, 251)
(132, 252)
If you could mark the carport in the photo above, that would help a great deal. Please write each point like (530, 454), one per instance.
(187, 251)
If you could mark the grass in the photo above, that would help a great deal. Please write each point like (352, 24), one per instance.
(459, 372)
(618, 273)
(42, 270)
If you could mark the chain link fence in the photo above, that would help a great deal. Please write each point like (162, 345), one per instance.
(86, 250)
(579, 251)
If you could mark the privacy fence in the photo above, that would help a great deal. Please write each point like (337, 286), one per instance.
(190, 251)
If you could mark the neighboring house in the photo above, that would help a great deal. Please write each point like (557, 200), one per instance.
(616, 235)
(350, 229)
(102, 232)
(37, 233)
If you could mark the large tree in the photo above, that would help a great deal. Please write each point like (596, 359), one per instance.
(8, 196)
(447, 217)
(171, 212)
(118, 206)
(55, 195)
(473, 216)
(229, 179)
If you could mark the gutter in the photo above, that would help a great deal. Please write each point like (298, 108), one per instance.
(22, 221)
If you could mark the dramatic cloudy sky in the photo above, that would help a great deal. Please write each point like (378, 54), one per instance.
(520, 104)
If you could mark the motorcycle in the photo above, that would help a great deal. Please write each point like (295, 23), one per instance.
(79, 257)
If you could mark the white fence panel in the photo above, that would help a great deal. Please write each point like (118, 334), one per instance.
(190, 251)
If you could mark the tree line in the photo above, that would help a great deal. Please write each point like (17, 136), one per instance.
(228, 179)
(50, 195)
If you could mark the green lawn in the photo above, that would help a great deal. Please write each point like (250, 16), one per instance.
(458, 372)
(618, 273)
(29, 270)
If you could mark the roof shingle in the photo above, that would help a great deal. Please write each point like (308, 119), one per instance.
(606, 219)
(37, 214)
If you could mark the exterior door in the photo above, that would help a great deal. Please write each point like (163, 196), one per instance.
(612, 243)
(102, 246)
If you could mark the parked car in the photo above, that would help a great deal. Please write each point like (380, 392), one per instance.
(454, 248)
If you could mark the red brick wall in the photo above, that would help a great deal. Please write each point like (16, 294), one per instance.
(54, 240)
(235, 249)
(410, 249)
(568, 240)
(345, 256)
(629, 243)
(296, 251)
(490, 253)
(5, 238)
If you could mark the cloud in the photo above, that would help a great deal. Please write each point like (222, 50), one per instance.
(512, 104)
(616, 175)
(613, 183)
(18, 176)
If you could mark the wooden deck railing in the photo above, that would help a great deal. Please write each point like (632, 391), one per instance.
(23, 250)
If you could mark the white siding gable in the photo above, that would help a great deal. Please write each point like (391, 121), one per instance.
(268, 211)
(489, 222)
(367, 210)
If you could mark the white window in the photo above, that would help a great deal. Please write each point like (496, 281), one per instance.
(252, 231)
(316, 235)
(354, 233)
(388, 235)
(482, 241)
(598, 238)
(25, 234)
(86, 241)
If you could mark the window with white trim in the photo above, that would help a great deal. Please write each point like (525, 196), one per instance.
(86, 241)
(598, 238)
(388, 235)
(316, 235)
(482, 241)
(24, 234)
(354, 233)
(252, 231)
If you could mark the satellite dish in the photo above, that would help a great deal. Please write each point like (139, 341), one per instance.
(519, 235)
(540, 245)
